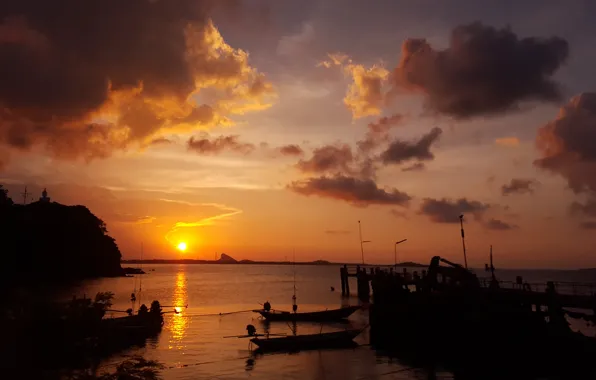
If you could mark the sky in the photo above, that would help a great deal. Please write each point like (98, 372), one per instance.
(268, 129)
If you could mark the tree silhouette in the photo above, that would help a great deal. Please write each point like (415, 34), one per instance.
(51, 242)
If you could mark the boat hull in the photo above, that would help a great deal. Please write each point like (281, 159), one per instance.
(305, 342)
(315, 316)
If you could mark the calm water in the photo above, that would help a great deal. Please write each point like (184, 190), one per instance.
(192, 344)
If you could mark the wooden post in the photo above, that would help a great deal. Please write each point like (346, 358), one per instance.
(347, 281)
(343, 277)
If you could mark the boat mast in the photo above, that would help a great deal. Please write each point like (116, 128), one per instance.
(141, 274)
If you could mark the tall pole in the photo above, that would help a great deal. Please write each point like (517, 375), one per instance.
(395, 250)
(463, 239)
(361, 245)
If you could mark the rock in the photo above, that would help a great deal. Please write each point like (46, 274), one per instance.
(226, 259)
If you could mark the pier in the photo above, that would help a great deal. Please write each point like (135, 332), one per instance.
(569, 294)
(445, 312)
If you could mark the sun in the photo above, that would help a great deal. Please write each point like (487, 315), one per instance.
(181, 246)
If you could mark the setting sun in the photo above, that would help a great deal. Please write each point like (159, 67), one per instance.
(181, 246)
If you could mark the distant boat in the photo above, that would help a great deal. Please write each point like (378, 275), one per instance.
(310, 341)
(312, 316)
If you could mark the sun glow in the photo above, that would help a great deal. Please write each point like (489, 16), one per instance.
(181, 246)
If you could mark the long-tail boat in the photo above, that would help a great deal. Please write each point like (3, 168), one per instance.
(311, 316)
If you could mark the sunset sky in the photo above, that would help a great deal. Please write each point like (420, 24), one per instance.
(256, 128)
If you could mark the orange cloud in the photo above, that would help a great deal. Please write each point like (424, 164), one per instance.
(507, 141)
(110, 85)
(365, 96)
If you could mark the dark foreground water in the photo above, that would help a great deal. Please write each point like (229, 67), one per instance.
(192, 344)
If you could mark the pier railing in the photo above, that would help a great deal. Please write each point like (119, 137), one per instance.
(562, 287)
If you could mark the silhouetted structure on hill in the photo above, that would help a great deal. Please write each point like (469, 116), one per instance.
(49, 242)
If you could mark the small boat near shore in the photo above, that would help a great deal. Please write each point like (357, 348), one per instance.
(312, 316)
(310, 341)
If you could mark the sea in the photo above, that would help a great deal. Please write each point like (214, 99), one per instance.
(215, 303)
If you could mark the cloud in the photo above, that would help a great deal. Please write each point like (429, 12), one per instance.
(417, 167)
(291, 150)
(359, 192)
(401, 151)
(328, 159)
(203, 145)
(507, 141)
(399, 214)
(584, 209)
(365, 96)
(337, 232)
(568, 144)
(295, 43)
(448, 211)
(225, 212)
(161, 141)
(378, 132)
(589, 225)
(519, 186)
(82, 79)
(499, 225)
(484, 70)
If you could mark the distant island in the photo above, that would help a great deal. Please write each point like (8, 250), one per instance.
(47, 242)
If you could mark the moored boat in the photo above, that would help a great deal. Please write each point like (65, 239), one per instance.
(312, 316)
(311, 341)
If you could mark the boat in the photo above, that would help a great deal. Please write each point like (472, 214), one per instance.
(312, 316)
(310, 341)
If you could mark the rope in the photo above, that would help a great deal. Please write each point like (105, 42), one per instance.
(218, 314)
(387, 373)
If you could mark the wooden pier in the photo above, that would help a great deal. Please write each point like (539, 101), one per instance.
(569, 294)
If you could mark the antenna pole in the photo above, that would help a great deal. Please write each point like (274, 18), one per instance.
(463, 239)
(361, 245)
(24, 194)
(141, 275)
(492, 268)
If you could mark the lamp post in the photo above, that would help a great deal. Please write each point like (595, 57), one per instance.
(362, 242)
(395, 251)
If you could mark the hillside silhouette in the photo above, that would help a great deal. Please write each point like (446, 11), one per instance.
(46, 241)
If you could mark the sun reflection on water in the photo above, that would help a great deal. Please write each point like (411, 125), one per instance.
(179, 321)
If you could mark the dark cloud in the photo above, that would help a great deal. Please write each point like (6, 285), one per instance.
(161, 141)
(82, 78)
(337, 232)
(399, 214)
(378, 132)
(519, 186)
(448, 211)
(204, 145)
(499, 225)
(291, 150)
(328, 159)
(589, 225)
(401, 151)
(568, 144)
(418, 166)
(359, 192)
(584, 209)
(484, 70)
